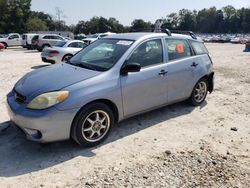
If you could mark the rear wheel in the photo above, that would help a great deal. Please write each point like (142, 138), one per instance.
(92, 125)
(66, 58)
(45, 46)
(199, 93)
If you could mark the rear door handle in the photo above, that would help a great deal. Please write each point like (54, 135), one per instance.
(194, 64)
(163, 73)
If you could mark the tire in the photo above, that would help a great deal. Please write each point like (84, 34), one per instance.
(45, 46)
(88, 129)
(199, 92)
(67, 57)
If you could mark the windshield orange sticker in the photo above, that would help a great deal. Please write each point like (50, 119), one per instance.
(180, 48)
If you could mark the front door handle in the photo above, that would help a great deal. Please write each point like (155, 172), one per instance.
(163, 73)
(194, 64)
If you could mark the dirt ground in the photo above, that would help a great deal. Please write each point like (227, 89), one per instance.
(175, 146)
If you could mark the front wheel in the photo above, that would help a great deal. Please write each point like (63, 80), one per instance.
(92, 125)
(199, 92)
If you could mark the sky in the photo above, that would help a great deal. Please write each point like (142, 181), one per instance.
(126, 10)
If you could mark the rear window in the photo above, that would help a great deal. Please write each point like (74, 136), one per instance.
(199, 48)
(60, 44)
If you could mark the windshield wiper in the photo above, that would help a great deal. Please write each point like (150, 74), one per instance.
(86, 65)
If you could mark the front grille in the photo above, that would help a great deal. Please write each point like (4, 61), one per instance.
(19, 98)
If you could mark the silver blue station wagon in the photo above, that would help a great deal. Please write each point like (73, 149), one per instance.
(112, 79)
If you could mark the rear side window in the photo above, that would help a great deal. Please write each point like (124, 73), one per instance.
(148, 53)
(46, 37)
(35, 37)
(178, 49)
(73, 45)
(199, 48)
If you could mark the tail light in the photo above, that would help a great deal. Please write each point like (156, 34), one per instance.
(54, 52)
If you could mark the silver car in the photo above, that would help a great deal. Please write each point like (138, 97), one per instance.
(62, 51)
(42, 41)
(110, 80)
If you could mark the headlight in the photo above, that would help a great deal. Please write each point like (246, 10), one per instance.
(47, 100)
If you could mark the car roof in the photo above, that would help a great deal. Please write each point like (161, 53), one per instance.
(138, 36)
(49, 35)
(70, 41)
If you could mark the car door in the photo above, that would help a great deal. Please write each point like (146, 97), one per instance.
(181, 69)
(146, 89)
(74, 47)
(14, 40)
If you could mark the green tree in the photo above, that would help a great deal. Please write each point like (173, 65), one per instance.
(14, 15)
(36, 24)
(140, 25)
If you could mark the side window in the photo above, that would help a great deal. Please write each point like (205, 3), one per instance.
(46, 37)
(148, 53)
(199, 48)
(81, 45)
(14, 37)
(73, 45)
(53, 37)
(178, 49)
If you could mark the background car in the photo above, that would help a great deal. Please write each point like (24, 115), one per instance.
(13, 39)
(62, 51)
(42, 41)
(1, 46)
(92, 38)
(26, 42)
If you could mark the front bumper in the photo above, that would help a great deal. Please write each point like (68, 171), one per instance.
(51, 59)
(41, 125)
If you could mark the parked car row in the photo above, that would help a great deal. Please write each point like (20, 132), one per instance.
(226, 38)
(92, 38)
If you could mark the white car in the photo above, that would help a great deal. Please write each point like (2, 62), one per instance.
(13, 39)
(62, 51)
(92, 38)
(27, 40)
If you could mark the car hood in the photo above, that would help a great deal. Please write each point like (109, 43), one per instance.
(52, 78)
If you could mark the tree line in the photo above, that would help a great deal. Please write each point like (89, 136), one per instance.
(17, 16)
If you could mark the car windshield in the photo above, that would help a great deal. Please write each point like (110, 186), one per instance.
(60, 44)
(101, 55)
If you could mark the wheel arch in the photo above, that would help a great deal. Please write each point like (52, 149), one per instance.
(210, 80)
(46, 44)
(108, 102)
(66, 55)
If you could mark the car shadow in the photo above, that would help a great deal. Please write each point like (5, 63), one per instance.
(39, 66)
(20, 156)
(32, 52)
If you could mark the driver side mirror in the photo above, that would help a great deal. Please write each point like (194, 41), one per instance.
(131, 67)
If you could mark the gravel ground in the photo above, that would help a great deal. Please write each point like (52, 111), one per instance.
(182, 169)
(175, 146)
